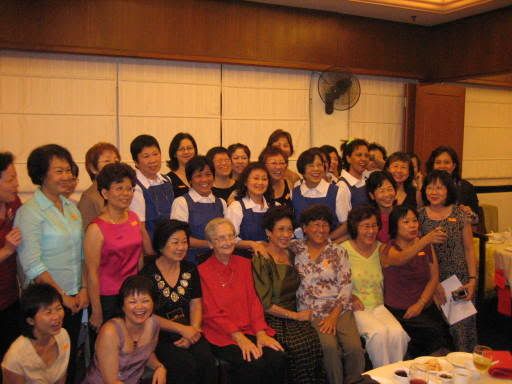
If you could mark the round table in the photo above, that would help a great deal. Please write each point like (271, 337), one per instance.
(384, 374)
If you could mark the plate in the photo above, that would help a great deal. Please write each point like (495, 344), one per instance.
(445, 365)
(460, 359)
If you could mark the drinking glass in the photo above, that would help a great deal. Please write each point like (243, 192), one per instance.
(418, 374)
(482, 357)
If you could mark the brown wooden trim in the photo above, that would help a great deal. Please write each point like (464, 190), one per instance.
(409, 117)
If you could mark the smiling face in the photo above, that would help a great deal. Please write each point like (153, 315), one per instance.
(314, 172)
(283, 144)
(185, 152)
(436, 193)
(367, 231)
(276, 166)
(119, 195)
(222, 164)
(223, 241)
(408, 227)
(334, 163)
(58, 177)
(137, 307)
(202, 181)
(384, 196)
(239, 161)
(257, 183)
(47, 320)
(281, 234)
(358, 160)
(149, 162)
(399, 170)
(176, 247)
(8, 184)
(444, 162)
(317, 232)
(106, 157)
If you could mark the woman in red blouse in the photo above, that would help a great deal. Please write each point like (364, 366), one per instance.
(233, 317)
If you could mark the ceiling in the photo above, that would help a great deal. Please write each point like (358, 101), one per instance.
(421, 12)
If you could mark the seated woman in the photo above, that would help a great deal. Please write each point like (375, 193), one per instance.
(224, 184)
(41, 354)
(185, 354)
(276, 282)
(126, 344)
(276, 162)
(182, 149)
(315, 190)
(233, 317)
(410, 283)
(113, 243)
(240, 156)
(325, 289)
(198, 206)
(386, 341)
(283, 140)
(91, 203)
(254, 196)
(399, 165)
(381, 188)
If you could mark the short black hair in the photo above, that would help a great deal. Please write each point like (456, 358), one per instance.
(164, 229)
(328, 149)
(358, 214)
(75, 170)
(444, 178)
(140, 142)
(38, 162)
(405, 158)
(133, 285)
(233, 147)
(270, 152)
(241, 188)
(455, 159)
(6, 159)
(115, 173)
(276, 213)
(308, 157)
(197, 164)
(348, 147)
(398, 212)
(375, 181)
(214, 151)
(276, 135)
(33, 298)
(172, 163)
(317, 212)
(378, 147)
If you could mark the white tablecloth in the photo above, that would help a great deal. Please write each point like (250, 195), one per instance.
(503, 260)
(384, 375)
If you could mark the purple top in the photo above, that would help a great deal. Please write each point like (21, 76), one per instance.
(383, 235)
(131, 364)
(404, 284)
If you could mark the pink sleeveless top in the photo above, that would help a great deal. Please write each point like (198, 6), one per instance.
(120, 254)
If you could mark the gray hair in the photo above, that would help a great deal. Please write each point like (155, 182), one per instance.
(211, 227)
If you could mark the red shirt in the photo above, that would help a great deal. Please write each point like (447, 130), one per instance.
(230, 302)
(8, 282)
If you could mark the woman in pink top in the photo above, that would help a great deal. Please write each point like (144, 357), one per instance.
(381, 188)
(113, 242)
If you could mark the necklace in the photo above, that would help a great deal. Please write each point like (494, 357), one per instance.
(224, 282)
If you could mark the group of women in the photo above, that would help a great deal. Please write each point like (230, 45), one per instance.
(277, 274)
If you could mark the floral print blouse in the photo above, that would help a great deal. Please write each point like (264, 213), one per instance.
(325, 282)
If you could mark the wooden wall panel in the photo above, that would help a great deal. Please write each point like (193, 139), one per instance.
(215, 31)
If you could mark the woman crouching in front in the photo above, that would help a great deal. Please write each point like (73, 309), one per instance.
(233, 318)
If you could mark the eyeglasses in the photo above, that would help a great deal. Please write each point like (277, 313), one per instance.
(276, 163)
(224, 239)
(367, 227)
(186, 149)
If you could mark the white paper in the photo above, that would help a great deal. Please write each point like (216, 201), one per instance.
(455, 311)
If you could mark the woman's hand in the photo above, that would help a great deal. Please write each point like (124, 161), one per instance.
(328, 324)
(471, 289)
(357, 304)
(70, 303)
(439, 295)
(12, 240)
(414, 310)
(264, 340)
(82, 299)
(183, 343)
(159, 375)
(249, 350)
(190, 333)
(96, 320)
(259, 247)
(303, 315)
(436, 236)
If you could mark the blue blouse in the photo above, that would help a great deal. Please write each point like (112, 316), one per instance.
(51, 241)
